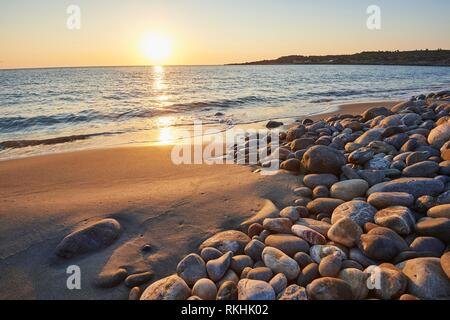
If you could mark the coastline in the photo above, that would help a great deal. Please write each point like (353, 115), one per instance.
(44, 197)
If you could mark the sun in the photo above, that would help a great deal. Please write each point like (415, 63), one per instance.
(157, 48)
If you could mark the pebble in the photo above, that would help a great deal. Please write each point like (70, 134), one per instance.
(218, 267)
(359, 211)
(400, 219)
(381, 200)
(323, 159)
(361, 156)
(321, 192)
(388, 283)
(308, 274)
(357, 280)
(324, 205)
(303, 259)
(111, 279)
(293, 165)
(346, 232)
(255, 290)
(442, 211)
(349, 189)
(315, 180)
(205, 289)
(318, 252)
(382, 244)
(320, 226)
(330, 266)
(135, 294)
(280, 263)
(138, 279)
(170, 288)
(227, 291)
(439, 135)
(329, 289)
(278, 225)
(279, 282)
(308, 234)
(291, 213)
(210, 254)
(437, 227)
(287, 243)
(445, 263)
(351, 264)
(232, 240)
(372, 177)
(415, 186)
(254, 249)
(358, 256)
(239, 263)
(303, 192)
(293, 292)
(191, 269)
(261, 273)
(421, 169)
(428, 244)
(230, 275)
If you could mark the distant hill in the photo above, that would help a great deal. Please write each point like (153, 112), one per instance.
(414, 58)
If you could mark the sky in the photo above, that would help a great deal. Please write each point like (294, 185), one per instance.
(34, 33)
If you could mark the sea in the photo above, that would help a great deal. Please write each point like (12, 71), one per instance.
(52, 110)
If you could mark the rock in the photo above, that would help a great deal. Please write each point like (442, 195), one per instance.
(424, 203)
(261, 273)
(315, 180)
(210, 254)
(375, 112)
(320, 226)
(323, 159)
(205, 289)
(89, 238)
(437, 227)
(346, 232)
(279, 283)
(381, 200)
(273, 124)
(280, 263)
(170, 288)
(349, 189)
(428, 244)
(287, 243)
(216, 268)
(308, 234)
(444, 168)
(291, 213)
(397, 140)
(278, 225)
(234, 241)
(408, 255)
(442, 211)
(227, 291)
(421, 169)
(254, 230)
(361, 156)
(329, 289)
(415, 186)
(295, 133)
(349, 172)
(321, 192)
(378, 163)
(301, 143)
(369, 136)
(358, 256)
(357, 280)
(138, 279)
(303, 192)
(308, 274)
(269, 210)
(294, 292)
(318, 252)
(382, 147)
(426, 279)
(382, 244)
(359, 211)
(416, 157)
(330, 266)
(111, 279)
(445, 263)
(303, 259)
(439, 135)
(388, 283)
(239, 263)
(293, 165)
(135, 294)
(324, 205)
(191, 269)
(255, 290)
(400, 219)
(351, 264)
(372, 177)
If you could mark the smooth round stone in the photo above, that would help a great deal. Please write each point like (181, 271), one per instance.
(308, 274)
(318, 252)
(437, 227)
(321, 192)
(320, 226)
(191, 269)
(424, 203)
(303, 259)
(361, 156)
(329, 289)
(308, 234)
(232, 240)
(345, 232)
(427, 279)
(407, 255)
(324, 205)
(323, 159)
(295, 133)
(369, 136)
(378, 163)
(397, 140)
(254, 249)
(417, 187)
(372, 177)
(330, 266)
(445, 263)
(351, 264)
(227, 291)
(293, 165)
(381, 200)
(382, 244)
(357, 280)
(239, 263)
(439, 135)
(210, 254)
(245, 272)
(170, 288)
(205, 289)
(442, 211)
(287, 243)
(416, 157)
(388, 283)
(444, 168)
(443, 198)
(302, 202)
(301, 143)
(291, 213)
(261, 273)
(399, 219)
(255, 290)
(218, 267)
(304, 192)
(358, 256)
(349, 189)
(293, 292)
(111, 279)
(135, 294)
(138, 279)
(428, 244)
(279, 283)
(230, 275)
(280, 263)
(374, 112)
(254, 229)
(359, 211)
(263, 235)
(278, 225)
(421, 169)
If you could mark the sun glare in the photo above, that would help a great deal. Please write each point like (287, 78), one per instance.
(157, 48)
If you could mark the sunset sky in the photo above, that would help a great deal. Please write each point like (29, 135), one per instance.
(33, 33)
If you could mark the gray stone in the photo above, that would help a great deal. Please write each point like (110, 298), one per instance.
(217, 268)
(293, 292)
(314, 180)
(439, 135)
(361, 156)
(279, 283)
(280, 263)
(359, 211)
(287, 243)
(415, 186)
(318, 252)
(357, 280)
(255, 290)
(421, 169)
(261, 273)
(330, 266)
(372, 177)
(234, 241)
(437, 227)
(205, 289)
(369, 136)
(381, 200)
(400, 219)
(170, 288)
(227, 291)
(346, 232)
(349, 189)
(324, 205)
(254, 249)
(191, 269)
(329, 289)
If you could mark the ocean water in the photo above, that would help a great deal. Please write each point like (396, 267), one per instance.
(52, 110)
